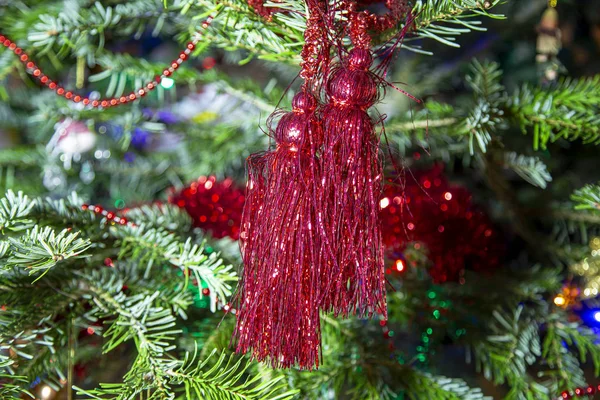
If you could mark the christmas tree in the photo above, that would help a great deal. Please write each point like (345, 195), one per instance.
(413, 185)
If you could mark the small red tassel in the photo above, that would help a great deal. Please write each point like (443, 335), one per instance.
(352, 176)
(278, 314)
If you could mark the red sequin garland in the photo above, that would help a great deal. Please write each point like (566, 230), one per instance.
(214, 205)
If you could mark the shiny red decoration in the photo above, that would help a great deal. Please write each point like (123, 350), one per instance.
(429, 210)
(285, 275)
(311, 235)
(260, 9)
(579, 392)
(110, 216)
(278, 300)
(214, 205)
(352, 188)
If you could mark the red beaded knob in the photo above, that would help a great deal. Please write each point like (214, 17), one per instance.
(304, 102)
(206, 291)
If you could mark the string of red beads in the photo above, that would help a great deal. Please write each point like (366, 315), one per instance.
(36, 72)
(579, 392)
(109, 215)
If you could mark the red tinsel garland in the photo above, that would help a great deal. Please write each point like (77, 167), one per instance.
(428, 209)
(215, 206)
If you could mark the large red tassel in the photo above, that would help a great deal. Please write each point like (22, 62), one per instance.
(352, 178)
(278, 315)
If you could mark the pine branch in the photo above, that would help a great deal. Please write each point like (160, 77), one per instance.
(40, 249)
(164, 216)
(82, 30)
(443, 20)
(582, 339)
(14, 209)
(505, 354)
(123, 73)
(11, 387)
(587, 198)
(148, 325)
(567, 111)
(150, 245)
(486, 115)
(222, 381)
(566, 372)
(429, 387)
(531, 169)
(237, 26)
(192, 379)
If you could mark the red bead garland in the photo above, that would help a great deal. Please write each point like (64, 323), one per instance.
(34, 70)
(109, 215)
(579, 392)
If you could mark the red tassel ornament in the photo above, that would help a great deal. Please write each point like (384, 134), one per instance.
(281, 288)
(310, 236)
(278, 315)
(352, 178)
